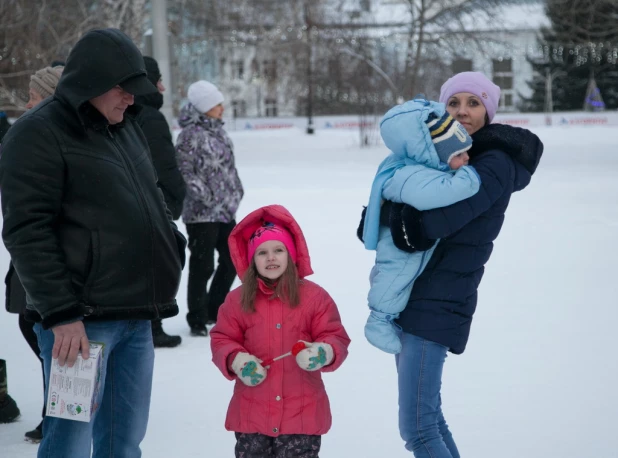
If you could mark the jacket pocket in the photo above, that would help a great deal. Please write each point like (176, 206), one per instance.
(15, 292)
(92, 264)
(82, 255)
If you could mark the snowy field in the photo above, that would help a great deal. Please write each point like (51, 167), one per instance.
(539, 376)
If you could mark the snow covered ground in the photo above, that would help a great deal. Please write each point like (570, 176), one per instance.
(539, 376)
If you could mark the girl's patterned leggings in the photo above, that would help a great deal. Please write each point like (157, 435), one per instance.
(284, 446)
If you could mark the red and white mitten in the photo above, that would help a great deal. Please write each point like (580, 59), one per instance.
(315, 356)
(249, 369)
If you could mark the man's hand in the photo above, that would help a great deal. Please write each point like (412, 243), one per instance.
(69, 339)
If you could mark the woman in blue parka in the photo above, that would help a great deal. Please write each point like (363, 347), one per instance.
(439, 312)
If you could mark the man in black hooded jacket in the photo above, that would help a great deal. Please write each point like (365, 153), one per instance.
(91, 239)
(159, 138)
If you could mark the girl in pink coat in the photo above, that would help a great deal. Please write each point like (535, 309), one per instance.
(280, 408)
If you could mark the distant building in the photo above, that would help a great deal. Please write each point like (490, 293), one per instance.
(264, 74)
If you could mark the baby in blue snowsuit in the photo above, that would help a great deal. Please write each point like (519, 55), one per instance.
(426, 169)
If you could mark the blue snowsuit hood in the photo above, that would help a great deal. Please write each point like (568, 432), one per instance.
(404, 131)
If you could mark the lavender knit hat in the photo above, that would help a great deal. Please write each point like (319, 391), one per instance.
(475, 83)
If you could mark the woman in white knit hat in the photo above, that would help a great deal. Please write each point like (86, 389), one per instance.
(205, 156)
(43, 84)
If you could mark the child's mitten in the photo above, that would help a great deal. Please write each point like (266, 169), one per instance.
(315, 356)
(248, 369)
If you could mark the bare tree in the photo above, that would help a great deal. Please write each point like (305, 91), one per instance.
(436, 25)
(331, 55)
(35, 33)
(126, 15)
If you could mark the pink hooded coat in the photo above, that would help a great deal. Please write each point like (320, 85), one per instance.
(290, 400)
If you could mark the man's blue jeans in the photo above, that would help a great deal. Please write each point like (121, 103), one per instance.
(421, 423)
(121, 416)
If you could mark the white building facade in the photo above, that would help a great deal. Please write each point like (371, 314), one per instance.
(267, 79)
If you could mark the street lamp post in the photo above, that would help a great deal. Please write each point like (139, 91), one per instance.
(160, 51)
(309, 24)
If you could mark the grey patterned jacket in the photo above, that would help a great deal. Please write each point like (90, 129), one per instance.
(206, 160)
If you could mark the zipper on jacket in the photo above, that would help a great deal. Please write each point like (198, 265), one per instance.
(131, 171)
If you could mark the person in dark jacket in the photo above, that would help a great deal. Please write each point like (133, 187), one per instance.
(42, 85)
(91, 239)
(439, 312)
(170, 181)
(159, 137)
(4, 125)
(9, 412)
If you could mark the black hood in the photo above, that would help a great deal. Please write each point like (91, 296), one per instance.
(154, 100)
(100, 60)
(152, 68)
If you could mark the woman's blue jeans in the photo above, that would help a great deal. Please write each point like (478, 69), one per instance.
(421, 423)
(121, 413)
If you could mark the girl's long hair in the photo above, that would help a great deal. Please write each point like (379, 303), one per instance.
(285, 287)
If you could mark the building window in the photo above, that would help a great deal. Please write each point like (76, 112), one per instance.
(238, 70)
(255, 69)
(269, 70)
(503, 77)
(239, 108)
(365, 5)
(461, 65)
(270, 106)
(508, 100)
(222, 69)
(334, 68)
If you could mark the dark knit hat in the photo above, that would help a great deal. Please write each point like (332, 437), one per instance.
(449, 136)
(152, 68)
(44, 81)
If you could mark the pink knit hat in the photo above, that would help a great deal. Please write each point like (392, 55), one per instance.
(270, 231)
(475, 83)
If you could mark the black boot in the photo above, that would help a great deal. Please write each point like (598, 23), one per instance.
(8, 408)
(35, 435)
(199, 331)
(161, 339)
